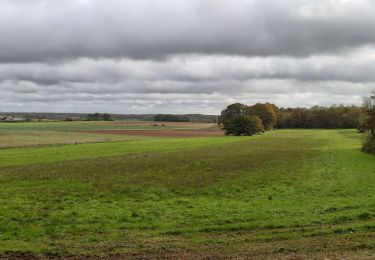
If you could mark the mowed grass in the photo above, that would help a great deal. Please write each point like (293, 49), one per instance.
(304, 193)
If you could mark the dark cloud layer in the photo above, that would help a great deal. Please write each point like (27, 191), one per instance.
(183, 55)
(42, 30)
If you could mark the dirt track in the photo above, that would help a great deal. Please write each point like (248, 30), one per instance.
(160, 133)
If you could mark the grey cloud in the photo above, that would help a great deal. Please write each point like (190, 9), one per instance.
(192, 73)
(183, 56)
(111, 98)
(192, 83)
(42, 30)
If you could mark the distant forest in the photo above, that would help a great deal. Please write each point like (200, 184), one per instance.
(241, 119)
(319, 117)
(199, 118)
(185, 118)
(337, 116)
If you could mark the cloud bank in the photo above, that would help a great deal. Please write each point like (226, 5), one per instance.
(183, 56)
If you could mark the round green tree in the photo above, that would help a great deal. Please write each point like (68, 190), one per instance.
(243, 125)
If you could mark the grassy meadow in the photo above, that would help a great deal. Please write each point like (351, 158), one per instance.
(298, 194)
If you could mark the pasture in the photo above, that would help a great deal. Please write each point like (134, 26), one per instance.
(285, 194)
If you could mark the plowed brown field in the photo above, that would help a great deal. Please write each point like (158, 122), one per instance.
(160, 133)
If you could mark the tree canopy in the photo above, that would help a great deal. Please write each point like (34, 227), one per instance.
(241, 119)
(320, 117)
(336, 116)
(233, 110)
(368, 123)
(266, 112)
(243, 125)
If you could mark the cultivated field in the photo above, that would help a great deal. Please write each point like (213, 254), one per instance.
(50, 133)
(287, 194)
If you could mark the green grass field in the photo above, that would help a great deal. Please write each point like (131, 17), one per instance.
(20, 138)
(297, 194)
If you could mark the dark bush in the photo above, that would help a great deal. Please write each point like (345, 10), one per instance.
(243, 125)
(368, 124)
(369, 144)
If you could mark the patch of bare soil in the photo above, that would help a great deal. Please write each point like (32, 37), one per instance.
(152, 123)
(160, 133)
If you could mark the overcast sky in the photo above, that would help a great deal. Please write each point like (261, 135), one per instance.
(183, 56)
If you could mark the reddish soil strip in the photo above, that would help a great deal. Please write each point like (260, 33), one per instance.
(151, 123)
(161, 133)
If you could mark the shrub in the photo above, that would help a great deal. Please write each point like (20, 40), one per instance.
(368, 124)
(243, 125)
(369, 144)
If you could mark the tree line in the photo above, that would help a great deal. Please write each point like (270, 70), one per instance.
(198, 118)
(99, 117)
(241, 119)
(316, 117)
(171, 118)
(319, 117)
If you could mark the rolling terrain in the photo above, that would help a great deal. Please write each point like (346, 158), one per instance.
(297, 194)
